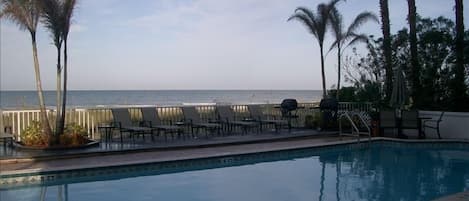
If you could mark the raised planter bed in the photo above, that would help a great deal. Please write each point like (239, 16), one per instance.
(90, 143)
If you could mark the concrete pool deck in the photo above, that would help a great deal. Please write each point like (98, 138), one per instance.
(180, 150)
(25, 166)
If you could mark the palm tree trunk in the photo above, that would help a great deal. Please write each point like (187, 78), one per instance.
(58, 93)
(387, 51)
(324, 92)
(64, 96)
(42, 106)
(459, 87)
(338, 71)
(412, 19)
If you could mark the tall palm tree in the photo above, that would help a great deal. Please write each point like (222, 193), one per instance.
(68, 8)
(387, 51)
(343, 36)
(415, 75)
(25, 13)
(317, 25)
(52, 15)
(459, 86)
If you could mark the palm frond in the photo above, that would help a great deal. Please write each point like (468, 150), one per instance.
(358, 38)
(24, 13)
(334, 45)
(310, 14)
(53, 19)
(336, 23)
(69, 7)
(360, 20)
(306, 17)
(324, 16)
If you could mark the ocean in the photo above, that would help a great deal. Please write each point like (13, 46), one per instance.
(103, 98)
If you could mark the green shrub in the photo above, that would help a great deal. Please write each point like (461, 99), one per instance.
(309, 121)
(74, 135)
(313, 120)
(74, 128)
(34, 136)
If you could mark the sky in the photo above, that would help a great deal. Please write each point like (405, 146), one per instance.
(191, 44)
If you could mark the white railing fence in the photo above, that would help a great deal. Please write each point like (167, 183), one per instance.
(15, 121)
(355, 106)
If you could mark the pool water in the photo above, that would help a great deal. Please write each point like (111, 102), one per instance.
(380, 171)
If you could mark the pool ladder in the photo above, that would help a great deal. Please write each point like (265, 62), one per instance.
(355, 130)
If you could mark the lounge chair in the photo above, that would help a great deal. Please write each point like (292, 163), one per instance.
(123, 122)
(258, 116)
(152, 120)
(387, 119)
(192, 118)
(434, 124)
(227, 116)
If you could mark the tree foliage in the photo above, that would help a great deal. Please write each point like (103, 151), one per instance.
(345, 37)
(437, 58)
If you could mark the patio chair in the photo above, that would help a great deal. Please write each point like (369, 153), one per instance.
(258, 116)
(410, 120)
(124, 124)
(153, 121)
(387, 119)
(227, 116)
(434, 124)
(192, 118)
(5, 137)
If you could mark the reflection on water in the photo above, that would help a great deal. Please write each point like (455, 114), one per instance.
(375, 173)
(391, 174)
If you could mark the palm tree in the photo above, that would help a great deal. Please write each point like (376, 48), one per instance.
(68, 8)
(317, 26)
(25, 13)
(350, 35)
(387, 51)
(57, 18)
(459, 86)
(412, 19)
(52, 16)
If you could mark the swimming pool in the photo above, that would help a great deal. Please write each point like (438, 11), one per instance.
(381, 170)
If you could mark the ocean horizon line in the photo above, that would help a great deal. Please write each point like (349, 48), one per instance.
(49, 90)
(86, 98)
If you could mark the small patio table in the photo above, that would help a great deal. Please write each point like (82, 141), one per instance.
(106, 129)
(289, 115)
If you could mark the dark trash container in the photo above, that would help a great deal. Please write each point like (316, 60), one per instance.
(329, 108)
(288, 108)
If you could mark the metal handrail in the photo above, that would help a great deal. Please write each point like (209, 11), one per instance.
(360, 116)
(355, 128)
